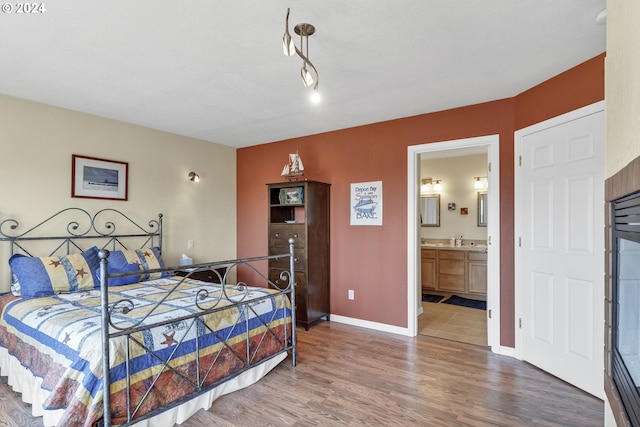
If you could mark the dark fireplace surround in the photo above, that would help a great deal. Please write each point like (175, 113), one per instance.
(623, 183)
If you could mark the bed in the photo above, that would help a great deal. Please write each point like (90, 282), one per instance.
(102, 307)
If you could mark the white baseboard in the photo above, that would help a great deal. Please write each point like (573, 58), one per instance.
(383, 327)
(505, 351)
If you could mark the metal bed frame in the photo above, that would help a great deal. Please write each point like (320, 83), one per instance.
(85, 228)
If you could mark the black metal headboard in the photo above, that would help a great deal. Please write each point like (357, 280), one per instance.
(71, 229)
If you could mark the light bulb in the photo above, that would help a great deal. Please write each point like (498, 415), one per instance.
(315, 97)
(478, 185)
(437, 186)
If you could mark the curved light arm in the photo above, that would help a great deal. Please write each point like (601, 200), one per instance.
(287, 42)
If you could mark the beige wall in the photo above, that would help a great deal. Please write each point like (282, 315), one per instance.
(457, 175)
(36, 144)
(622, 85)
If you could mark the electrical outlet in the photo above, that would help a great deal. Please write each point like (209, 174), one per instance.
(190, 244)
(351, 294)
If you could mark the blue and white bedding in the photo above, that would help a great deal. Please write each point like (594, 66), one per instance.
(58, 338)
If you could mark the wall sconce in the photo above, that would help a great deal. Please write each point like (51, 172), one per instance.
(427, 185)
(477, 184)
(194, 177)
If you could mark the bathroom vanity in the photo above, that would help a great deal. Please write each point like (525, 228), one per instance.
(459, 269)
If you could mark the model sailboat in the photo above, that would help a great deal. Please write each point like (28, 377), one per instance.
(294, 168)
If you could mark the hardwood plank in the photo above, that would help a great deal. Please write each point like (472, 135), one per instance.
(358, 377)
(354, 376)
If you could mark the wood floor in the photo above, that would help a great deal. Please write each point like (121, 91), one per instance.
(350, 376)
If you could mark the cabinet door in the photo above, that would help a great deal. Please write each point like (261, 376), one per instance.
(477, 272)
(428, 269)
(478, 277)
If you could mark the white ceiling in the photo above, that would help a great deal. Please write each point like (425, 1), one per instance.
(214, 70)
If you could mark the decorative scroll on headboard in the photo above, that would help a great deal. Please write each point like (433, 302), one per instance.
(73, 230)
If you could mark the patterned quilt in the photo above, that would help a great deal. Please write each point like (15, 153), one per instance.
(59, 339)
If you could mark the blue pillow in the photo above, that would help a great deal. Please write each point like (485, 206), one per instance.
(146, 258)
(43, 276)
(125, 280)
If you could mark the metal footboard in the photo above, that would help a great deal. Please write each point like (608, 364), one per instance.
(229, 297)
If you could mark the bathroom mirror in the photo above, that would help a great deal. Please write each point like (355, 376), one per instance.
(482, 209)
(430, 210)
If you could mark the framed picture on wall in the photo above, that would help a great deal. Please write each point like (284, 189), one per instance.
(98, 178)
(366, 203)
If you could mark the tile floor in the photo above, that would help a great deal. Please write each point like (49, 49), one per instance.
(454, 323)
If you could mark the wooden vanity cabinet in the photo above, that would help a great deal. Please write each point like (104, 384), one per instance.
(456, 271)
(428, 269)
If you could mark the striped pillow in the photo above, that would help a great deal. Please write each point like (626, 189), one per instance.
(146, 258)
(43, 276)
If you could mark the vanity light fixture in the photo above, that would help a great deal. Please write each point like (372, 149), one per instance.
(194, 177)
(308, 72)
(477, 184)
(425, 185)
(429, 185)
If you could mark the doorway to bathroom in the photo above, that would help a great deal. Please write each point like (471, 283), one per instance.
(453, 244)
(441, 262)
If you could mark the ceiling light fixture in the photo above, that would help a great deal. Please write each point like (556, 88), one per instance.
(194, 177)
(308, 72)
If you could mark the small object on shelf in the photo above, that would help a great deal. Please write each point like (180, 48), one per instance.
(291, 196)
(291, 221)
(293, 169)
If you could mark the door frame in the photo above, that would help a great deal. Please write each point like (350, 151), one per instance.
(414, 301)
(518, 192)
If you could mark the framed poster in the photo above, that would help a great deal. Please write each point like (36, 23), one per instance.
(366, 203)
(98, 178)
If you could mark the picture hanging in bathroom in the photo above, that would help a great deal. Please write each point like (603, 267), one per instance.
(451, 206)
(464, 211)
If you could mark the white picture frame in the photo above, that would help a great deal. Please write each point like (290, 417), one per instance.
(366, 203)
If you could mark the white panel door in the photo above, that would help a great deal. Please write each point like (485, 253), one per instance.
(560, 248)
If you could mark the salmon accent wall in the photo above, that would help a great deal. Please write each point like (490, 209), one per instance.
(573, 89)
(372, 260)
